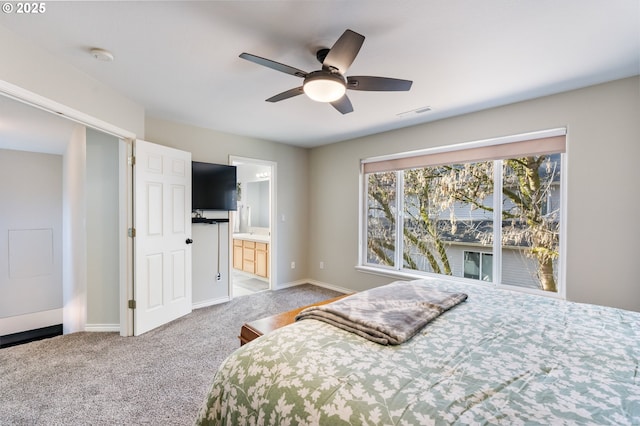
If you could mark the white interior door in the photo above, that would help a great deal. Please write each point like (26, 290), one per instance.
(162, 220)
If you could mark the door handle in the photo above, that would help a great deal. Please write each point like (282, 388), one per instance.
(189, 241)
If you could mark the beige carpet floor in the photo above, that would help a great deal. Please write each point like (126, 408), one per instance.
(159, 378)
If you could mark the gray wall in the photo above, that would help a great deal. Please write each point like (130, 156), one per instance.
(31, 216)
(292, 180)
(210, 256)
(603, 148)
(103, 287)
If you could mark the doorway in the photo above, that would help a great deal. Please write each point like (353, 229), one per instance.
(74, 283)
(252, 236)
(44, 126)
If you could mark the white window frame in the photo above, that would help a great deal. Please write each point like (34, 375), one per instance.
(398, 271)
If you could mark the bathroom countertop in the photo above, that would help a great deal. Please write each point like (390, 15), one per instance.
(260, 238)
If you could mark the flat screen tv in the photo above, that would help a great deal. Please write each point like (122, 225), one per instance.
(213, 186)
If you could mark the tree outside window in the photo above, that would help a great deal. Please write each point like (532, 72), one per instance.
(448, 209)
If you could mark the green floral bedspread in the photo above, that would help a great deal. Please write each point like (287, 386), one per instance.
(499, 358)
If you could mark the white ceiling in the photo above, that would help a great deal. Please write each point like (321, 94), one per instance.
(179, 60)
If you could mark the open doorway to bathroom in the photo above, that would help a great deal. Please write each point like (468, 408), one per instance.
(252, 236)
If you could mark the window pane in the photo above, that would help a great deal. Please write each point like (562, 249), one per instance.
(531, 221)
(381, 218)
(487, 267)
(471, 265)
(447, 210)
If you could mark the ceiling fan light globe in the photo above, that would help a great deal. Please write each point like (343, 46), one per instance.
(324, 88)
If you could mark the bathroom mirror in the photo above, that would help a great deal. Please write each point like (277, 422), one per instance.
(257, 199)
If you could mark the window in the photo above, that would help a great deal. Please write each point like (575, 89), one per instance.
(381, 232)
(489, 212)
(478, 266)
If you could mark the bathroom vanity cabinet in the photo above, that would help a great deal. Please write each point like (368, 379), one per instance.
(251, 255)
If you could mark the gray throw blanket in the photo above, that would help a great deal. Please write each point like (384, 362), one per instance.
(390, 314)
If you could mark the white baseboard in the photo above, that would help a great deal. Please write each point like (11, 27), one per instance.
(316, 283)
(105, 328)
(210, 302)
(330, 286)
(291, 284)
(26, 322)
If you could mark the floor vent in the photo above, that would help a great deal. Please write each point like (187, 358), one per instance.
(30, 336)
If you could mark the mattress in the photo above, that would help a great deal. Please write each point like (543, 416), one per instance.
(500, 357)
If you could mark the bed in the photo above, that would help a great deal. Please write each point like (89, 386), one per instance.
(499, 357)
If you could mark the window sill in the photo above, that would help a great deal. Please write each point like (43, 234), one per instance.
(391, 273)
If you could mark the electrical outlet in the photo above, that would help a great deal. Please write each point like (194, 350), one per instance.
(293, 265)
(321, 264)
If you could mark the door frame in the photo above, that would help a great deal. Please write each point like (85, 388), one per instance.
(273, 223)
(125, 184)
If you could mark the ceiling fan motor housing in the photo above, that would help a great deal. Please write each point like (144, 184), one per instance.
(321, 54)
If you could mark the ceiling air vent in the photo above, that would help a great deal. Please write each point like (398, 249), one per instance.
(416, 111)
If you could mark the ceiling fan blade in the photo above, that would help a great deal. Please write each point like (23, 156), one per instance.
(382, 84)
(274, 65)
(343, 105)
(286, 95)
(344, 51)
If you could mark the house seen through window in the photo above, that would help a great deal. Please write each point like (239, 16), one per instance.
(496, 220)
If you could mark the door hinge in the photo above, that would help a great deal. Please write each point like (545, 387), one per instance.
(131, 160)
(132, 232)
(132, 304)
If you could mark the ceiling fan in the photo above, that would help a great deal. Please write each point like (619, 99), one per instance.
(329, 84)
